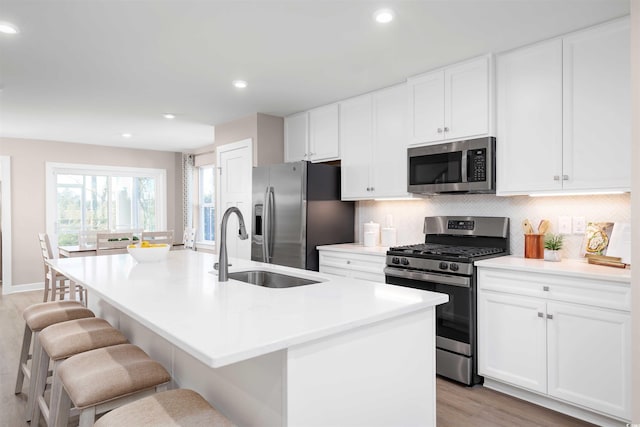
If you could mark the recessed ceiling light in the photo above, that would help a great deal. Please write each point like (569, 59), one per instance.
(169, 116)
(383, 16)
(8, 28)
(126, 135)
(240, 84)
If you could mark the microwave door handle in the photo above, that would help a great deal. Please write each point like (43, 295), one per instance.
(465, 165)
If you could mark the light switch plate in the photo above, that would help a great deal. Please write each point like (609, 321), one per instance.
(564, 224)
(579, 225)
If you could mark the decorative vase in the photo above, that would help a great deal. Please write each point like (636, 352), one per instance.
(551, 255)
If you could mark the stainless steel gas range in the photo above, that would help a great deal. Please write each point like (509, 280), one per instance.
(445, 263)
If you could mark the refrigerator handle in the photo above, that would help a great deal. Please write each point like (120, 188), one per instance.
(271, 230)
(266, 217)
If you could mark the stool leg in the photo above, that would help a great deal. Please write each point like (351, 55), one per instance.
(35, 362)
(24, 356)
(87, 417)
(62, 408)
(41, 372)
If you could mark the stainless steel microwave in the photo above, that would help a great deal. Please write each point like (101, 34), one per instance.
(466, 166)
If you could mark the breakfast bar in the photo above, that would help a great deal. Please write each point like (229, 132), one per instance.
(341, 351)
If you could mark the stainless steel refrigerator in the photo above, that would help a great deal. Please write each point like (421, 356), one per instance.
(296, 207)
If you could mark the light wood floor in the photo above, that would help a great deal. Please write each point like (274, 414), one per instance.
(457, 406)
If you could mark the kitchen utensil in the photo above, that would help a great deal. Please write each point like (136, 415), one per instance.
(527, 227)
(544, 226)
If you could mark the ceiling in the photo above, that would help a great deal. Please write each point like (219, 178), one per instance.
(89, 71)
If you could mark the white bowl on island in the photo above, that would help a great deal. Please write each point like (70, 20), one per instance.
(155, 253)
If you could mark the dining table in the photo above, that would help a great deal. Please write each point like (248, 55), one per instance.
(72, 251)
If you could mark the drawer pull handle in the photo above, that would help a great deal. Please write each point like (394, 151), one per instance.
(550, 316)
(540, 314)
(545, 288)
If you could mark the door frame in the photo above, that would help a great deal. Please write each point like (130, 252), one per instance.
(244, 143)
(5, 181)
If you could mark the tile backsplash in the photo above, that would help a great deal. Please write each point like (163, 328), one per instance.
(408, 216)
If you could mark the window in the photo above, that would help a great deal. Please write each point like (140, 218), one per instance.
(83, 199)
(207, 203)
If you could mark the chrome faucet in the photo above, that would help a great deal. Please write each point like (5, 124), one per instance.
(223, 267)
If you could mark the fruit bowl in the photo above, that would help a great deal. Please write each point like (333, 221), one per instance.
(149, 253)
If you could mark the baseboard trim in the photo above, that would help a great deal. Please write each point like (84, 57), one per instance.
(26, 288)
(555, 405)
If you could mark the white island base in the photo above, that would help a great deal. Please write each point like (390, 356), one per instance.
(373, 375)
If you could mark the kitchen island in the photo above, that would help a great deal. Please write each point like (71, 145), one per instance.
(339, 352)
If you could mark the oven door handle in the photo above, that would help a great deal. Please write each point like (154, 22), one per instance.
(444, 279)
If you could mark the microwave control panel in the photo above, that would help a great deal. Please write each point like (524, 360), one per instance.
(477, 165)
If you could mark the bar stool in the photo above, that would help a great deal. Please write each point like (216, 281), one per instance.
(179, 407)
(100, 380)
(61, 341)
(37, 317)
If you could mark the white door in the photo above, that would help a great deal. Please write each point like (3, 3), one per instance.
(512, 340)
(235, 162)
(529, 140)
(590, 357)
(597, 108)
(296, 137)
(390, 142)
(356, 140)
(466, 99)
(426, 108)
(324, 134)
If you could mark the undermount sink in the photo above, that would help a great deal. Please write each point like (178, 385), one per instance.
(270, 279)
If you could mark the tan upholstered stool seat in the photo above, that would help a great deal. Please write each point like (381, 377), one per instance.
(108, 373)
(166, 409)
(39, 316)
(66, 339)
(63, 340)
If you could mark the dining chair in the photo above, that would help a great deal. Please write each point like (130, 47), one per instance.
(55, 284)
(113, 243)
(189, 238)
(158, 237)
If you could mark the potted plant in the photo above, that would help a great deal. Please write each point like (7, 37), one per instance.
(552, 246)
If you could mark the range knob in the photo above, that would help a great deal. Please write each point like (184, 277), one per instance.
(395, 260)
(444, 266)
(454, 267)
(404, 261)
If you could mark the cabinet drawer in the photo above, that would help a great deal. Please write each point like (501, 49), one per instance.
(359, 266)
(579, 290)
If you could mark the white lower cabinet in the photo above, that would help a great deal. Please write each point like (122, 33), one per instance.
(354, 265)
(563, 337)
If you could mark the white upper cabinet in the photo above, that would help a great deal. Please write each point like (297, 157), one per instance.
(529, 141)
(374, 149)
(451, 103)
(313, 135)
(296, 137)
(564, 114)
(597, 108)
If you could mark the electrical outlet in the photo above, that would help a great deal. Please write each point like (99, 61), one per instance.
(564, 224)
(579, 225)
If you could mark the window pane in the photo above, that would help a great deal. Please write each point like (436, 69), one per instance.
(209, 223)
(69, 215)
(208, 193)
(145, 203)
(207, 203)
(96, 201)
(122, 205)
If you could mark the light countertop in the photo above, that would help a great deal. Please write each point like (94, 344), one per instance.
(566, 267)
(223, 323)
(356, 248)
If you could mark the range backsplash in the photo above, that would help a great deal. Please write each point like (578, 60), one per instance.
(408, 216)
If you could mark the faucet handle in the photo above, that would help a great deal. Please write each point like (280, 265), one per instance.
(216, 266)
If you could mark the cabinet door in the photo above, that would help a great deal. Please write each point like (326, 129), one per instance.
(466, 99)
(324, 138)
(512, 340)
(296, 137)
(597, 108)
(426, 108)
(589, 357)
(529, 140)
(389, 166)
(356, 136)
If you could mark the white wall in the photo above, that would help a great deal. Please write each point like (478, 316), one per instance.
(409, 215)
